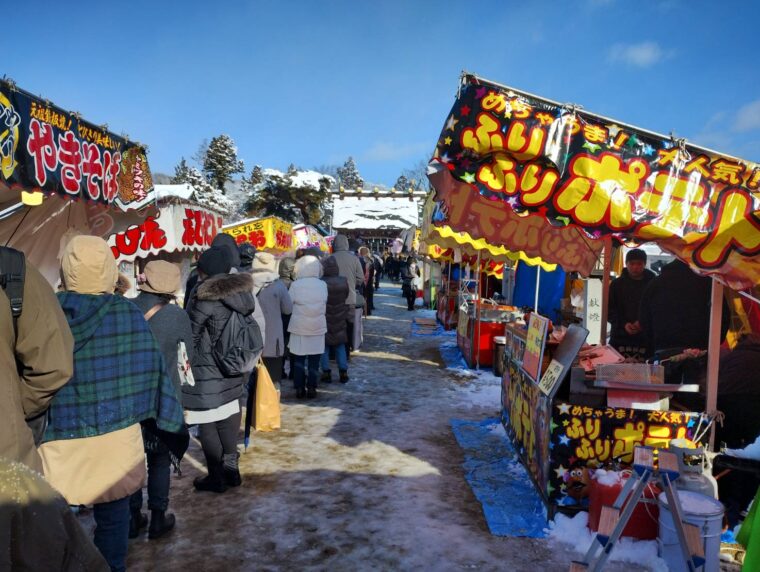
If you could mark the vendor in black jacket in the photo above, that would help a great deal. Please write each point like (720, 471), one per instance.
(625, 298)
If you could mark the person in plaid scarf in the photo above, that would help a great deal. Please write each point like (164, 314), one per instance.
(92, 450)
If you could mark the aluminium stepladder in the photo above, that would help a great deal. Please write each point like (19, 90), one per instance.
(614, 518)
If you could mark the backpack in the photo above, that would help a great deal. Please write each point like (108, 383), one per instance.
(239, 346)
(12, 275)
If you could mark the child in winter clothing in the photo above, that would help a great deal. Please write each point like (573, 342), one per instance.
(307, 323)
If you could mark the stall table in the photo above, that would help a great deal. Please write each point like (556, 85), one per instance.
(562, 437)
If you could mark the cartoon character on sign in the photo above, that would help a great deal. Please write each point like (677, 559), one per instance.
(9, 122)
(578, 484)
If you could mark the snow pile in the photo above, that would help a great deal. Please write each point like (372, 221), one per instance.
(608, 478)
(574, 532)
(300, 178)
(369, 213)
(749, 452)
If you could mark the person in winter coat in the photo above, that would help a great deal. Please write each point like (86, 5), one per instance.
(409, 275)
(221, 240)
(40, 531)
(171, 327)
(286, 277)
(247, 252)
(307, 324)
(675, 310)
(92, 451)
(350, 268)
(378, 263)
(624, 302)
(335, 314)
(36, 357)
(213, 402)
(369, 279)
(274, 300)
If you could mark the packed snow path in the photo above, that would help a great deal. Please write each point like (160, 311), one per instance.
(367, 476)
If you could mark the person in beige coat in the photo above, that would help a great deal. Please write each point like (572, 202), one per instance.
(92, 451)
(36, 361)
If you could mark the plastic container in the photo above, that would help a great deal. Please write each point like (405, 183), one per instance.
(499, 347)
(697, 509)
(643, 524)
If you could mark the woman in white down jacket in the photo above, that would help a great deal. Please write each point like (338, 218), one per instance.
(307, 324)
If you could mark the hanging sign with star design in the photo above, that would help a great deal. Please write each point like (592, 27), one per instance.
(44, 148)
(509, 151)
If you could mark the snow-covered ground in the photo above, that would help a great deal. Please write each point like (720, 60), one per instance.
(368, 476)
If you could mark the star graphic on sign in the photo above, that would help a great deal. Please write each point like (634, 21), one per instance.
(550, 489)
(468, 178)
(561, 471)
(613, 130)
(480, 93)
(565, 423)
(508, 112)
(593, 147)
(465, 111)
(648, 149)
(564, 408)
(447, 140)
(445, 158)
(564, 440)
(552, 426)
(451, 123)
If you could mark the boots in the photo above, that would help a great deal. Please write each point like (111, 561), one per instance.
(344, 376)
(214, 481)
(231, 471)
(160, 523)
(326, 376)
(311, 392)
(137, 521)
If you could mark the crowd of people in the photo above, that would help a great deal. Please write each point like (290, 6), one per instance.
(106, 388)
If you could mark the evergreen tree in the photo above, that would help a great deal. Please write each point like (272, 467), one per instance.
(290, 198)
(181, 172)
(402, 184)
(257, 175)
(221, 161)
(349, 175)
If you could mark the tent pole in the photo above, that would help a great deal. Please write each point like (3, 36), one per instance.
(538, 286)
(713, 352)
(607, 264)
(477, 301)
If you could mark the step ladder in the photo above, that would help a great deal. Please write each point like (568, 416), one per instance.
(613, 519)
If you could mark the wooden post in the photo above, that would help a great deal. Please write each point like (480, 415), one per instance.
(713, 352)
(607, 263)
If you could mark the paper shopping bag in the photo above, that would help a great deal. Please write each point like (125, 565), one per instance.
(267, 406)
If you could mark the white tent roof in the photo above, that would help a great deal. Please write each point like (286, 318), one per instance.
(373, 214)
(182, 191)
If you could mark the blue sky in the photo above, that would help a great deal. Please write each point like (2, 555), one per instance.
(313, 82)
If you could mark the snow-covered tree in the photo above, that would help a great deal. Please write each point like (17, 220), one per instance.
(402, 184)
(349, 175)
(295, 196)
(221, 161)
(181, 172)
(257, 175)
(205, 194)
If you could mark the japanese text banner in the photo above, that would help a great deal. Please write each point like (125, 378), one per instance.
(44, 148)
(267, 233)
(513, 151)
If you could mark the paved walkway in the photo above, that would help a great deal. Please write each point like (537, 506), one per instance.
(365, 477)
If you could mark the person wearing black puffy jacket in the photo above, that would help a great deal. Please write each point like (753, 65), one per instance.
(213, 402)
(336, 315)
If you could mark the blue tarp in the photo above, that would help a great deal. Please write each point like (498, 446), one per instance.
(452, 356)
(511, 505)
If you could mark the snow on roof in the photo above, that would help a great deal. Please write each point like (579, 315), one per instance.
(301, 178)
(372, 214)
(160, 192)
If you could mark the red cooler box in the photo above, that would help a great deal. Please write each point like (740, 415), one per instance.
(643, 524)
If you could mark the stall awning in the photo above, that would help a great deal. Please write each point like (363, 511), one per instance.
(508, 161)
(176, 228)
(268, 233)
(46, 149)
(307, 236)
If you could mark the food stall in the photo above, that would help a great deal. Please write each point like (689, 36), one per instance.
(554, 182)
(270, 234)
(306, 236)
(61, 176)
(166, 225)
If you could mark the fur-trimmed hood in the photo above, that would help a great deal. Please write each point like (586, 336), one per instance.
(233, 290)
(307, 267)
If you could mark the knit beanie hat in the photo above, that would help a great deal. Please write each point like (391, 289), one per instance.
(215, 260)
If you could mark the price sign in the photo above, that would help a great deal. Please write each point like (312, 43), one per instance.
(534, 345)
(551, 376)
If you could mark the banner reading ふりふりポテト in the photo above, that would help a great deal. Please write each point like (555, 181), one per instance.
(44, 148)
(512, 152)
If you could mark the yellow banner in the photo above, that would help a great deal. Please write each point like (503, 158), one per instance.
(268, 233)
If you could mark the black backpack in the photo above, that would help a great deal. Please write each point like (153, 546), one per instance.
(12, 275)
(238, 347)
